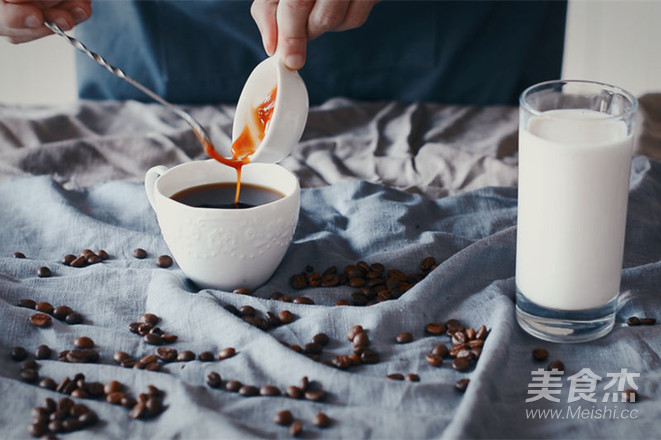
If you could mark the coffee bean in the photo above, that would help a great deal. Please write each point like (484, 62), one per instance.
(269, 391)
(169, 338)
(369, 357)
(285, 316)
(154, 405)
(404, 338)
(213, 379)
(30, 375)
(461, 364)
(458, 338)
(433, 359)
(102, 254)
(342, 361)
(74, 318)
(283, 418)
(294, 392)
(83, 342)
(40, 320)
(304, 383)
(153, 339)
(44, 307)
(226, 353)
(164, 261)
(630, 395)
(342, 302)
(167, 354)
(233, 386)
(395, 376)
(119, 356)
(115, 398)
(18, 254)
(330, 280)
(648, 321)
(47, 383)
(633, 321)
(95, 389)
(38, 429)
(139, 253)
(295, 429)
(303, 300)
(321, 420)
(185, 356)
(83, 355)
(205, 356)
(42, 352)
(412, 377)
(320, 338)
(361, 340)
(138, 411)
(248, 391)
(299, 281)
(27, 303)
(18, 354)
(312, 348)
(61, 312)
(314, 395)
(556, 365)
(79, 261)
(540, 354)
(113, 386)
(462, 384)
(93, 259)
(435, 328)
(67, 259)
(43, 272)
(353, 331)
(441, 350)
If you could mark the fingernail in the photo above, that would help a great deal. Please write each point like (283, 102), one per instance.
(294, 62)
(62, 23)
(79, 15)
(32, 21)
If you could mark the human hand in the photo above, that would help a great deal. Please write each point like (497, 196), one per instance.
(287, 25)
(23, 20)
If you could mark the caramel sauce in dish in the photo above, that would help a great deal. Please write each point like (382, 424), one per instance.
(245, 145)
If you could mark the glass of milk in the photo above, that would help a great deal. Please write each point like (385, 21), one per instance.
(575, 146)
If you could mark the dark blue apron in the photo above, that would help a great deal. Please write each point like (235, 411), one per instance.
(452, 52)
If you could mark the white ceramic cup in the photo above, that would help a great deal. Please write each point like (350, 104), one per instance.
(225, 248)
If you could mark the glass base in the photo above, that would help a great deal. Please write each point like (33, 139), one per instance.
(564, 325)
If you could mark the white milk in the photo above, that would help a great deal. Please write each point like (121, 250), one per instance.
(573, 186)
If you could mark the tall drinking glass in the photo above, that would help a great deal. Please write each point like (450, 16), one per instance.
(575, 146)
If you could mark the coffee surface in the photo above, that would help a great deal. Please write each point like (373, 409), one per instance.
(222, 196)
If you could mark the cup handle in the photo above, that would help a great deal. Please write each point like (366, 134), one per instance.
(150, 181)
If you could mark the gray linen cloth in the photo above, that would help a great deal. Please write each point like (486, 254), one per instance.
(373, 175)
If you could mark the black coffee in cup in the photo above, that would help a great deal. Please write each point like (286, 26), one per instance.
(221, 196)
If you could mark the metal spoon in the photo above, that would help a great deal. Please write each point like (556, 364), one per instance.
(197, 128)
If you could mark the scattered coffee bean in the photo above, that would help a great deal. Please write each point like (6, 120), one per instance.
(233, 386)
(294, 392)
(303, 300)
(647, 321)
(18, 354)
(42, 352)
(462, 384)
(18, 255)
(284, 418)
(74, 318)
(164, 261)
(78, 261)
(269, 391)
(27, 303)
(150, 318)
(314, 395)
(40, 320)
(320, 338)
(441, 350)
(295, 429)
(226, 353)
(304, 383)
(83, 342)
(167, 354)
(461, 364)
(633, 321)
(185, 356)
(139, 253)
(30, 375)
(102, 254)
(286, 317)
(395, 376)
(556, 365)
(435, 328)
(61, 312)
(434, 360)
(206, 356)
(321, 420)
(139, 410)
(412, 377)
(404, 338)
(112, 387)
(353, 331)
(630, 395)
(47, 383)
(214, 379)
(248, 391)
(540, 354)
(44, 307)
(299, 281)
(44, 272)
(153, 339)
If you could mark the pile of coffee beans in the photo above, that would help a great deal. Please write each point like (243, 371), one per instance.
(60, 417)
(146, 327)
(263, 321)
(45, 310)
(85, 258)
(286, 418)
(374, 282)
(466, 344)
(633, 321)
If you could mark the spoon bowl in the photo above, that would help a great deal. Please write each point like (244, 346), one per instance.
(290, 111)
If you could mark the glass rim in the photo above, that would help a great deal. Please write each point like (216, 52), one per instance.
(628, 95)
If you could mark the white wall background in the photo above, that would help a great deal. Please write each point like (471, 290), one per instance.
(612, 41)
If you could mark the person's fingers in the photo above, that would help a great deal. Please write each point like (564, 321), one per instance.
(80, 10)
(264, 14)
(326, 15)
(22, 20)
(292, 18)
(356, 14)
(20, 16)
